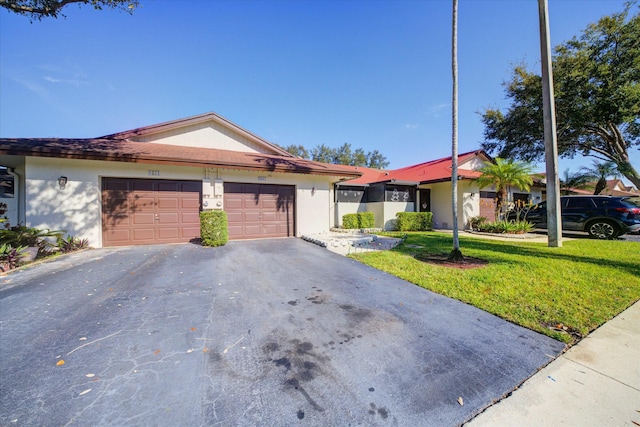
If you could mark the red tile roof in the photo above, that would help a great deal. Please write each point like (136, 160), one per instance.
(432, 171)
(143, 152)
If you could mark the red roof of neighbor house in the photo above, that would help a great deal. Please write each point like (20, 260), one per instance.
(152, 153)
(432, 171)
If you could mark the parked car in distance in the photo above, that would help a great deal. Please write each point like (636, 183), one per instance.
(603, 217)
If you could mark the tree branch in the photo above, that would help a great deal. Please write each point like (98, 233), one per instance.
(46, 11)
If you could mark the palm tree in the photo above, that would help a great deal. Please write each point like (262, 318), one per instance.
(571, 180)
(502, 174)
(456, 254)
(601, 171)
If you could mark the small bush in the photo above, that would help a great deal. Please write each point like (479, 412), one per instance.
(11, 256)
(476, 221)
(414, 221)
(214, 229)
(350, 221)
(366, 220)
(501, 227)
(20, 235)
(72, 244)
(358, 220)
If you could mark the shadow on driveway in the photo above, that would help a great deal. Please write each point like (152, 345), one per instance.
(268, 332)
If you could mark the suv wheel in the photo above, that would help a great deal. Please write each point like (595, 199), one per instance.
(602, 230)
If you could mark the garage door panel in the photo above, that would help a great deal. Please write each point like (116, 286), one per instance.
(190, 218)
(143, 218)
(191, 204)
(252, 216)
(270, 204)
(168, 218)
(253, 229)
(269, 216)
(168, 203)
(142, 234)
(142, 185)
(142, 203)
(169, 186)
(119, 235)
(190, 232)
(168, 233)
(122, 186)
(141, 211)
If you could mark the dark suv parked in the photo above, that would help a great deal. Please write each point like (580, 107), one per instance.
(603, 217)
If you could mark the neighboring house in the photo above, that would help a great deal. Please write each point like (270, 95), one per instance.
(148, 185)
(615, 187)
(425, 187)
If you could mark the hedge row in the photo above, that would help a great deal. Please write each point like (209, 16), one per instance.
(358, 220)
(213, 228)
(414, 221)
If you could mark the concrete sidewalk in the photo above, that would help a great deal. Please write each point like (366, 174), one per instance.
(595, 383)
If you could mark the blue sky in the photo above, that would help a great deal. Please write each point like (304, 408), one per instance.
(375, 74)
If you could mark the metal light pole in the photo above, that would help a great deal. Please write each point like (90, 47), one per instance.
(554, 221)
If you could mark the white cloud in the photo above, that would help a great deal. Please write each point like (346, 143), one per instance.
(411, 126)
(74, 82)
(437, 110)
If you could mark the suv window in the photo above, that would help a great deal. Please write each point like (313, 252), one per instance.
(609, 202)
(580, 202)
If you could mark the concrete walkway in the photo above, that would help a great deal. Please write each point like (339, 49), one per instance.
(595, 383)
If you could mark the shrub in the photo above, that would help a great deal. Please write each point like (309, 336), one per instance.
(476, 222)
(358, 220)
(20, 235)
(10, 256)
(71, 244)
(214, 228)
(350, 221)
(501, 227)
(366, 220)
(414, 221)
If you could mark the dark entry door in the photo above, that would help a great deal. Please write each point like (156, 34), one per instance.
(425, 200)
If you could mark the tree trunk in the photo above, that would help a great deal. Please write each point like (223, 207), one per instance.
(630, 173)
(456, 254)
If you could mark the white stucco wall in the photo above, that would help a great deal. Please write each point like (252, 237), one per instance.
(468, 203)
(78, 207)
(205, 135)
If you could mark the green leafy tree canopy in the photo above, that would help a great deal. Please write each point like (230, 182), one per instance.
(597, 95)
(38, 9)
(342, 155)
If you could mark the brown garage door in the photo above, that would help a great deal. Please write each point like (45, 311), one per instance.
(257, 211)
(147, 211)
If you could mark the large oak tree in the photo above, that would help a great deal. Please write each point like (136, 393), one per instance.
(38, 9)
(597, 95)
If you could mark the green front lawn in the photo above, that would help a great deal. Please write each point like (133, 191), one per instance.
(561, 292)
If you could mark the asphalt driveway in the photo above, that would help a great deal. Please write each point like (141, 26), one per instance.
(264, 333)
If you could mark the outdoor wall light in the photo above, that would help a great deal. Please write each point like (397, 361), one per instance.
(313, 190)
(62, 182)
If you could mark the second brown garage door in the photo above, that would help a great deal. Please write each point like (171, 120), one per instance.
(148, 211)
(259, 211)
